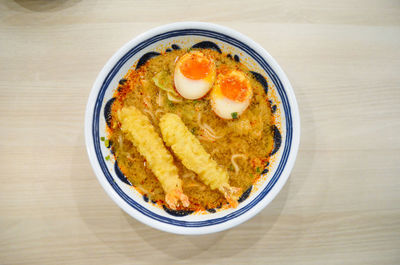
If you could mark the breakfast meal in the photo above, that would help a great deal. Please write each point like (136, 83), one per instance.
(191, 129)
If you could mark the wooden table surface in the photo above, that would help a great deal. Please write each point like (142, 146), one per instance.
(341, 204)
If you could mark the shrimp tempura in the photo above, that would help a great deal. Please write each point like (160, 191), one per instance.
(193, 156)
(141, 133)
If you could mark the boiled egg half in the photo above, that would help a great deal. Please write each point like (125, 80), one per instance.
(194, 75)
(231, 94)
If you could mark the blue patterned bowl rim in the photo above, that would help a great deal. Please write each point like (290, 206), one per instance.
(264, 60)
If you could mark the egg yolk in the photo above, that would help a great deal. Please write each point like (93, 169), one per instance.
(195, 67)
(234, 88)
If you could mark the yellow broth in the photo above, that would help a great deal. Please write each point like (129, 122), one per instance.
(250, 135)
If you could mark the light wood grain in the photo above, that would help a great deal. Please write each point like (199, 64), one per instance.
(341, 204)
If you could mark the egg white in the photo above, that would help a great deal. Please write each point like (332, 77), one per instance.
(225, 107)
(189, 88)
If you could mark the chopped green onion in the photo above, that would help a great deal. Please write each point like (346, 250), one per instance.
(108, 157)
(107, 143)
(230, 167)
(251, 175)
(193, 130)
(234, 115)
(102, 138)
(258, 170)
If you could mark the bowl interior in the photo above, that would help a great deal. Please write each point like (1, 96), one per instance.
(116, 184)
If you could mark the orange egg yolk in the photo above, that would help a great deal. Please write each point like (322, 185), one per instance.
(195, 67)
(234, 88)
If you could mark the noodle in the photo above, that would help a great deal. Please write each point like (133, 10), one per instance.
(233, 157)
(160, 100)
(206, 128)
(150, 113)
(146, 102)
(159, 111)
(201, 137)
(130, 157)
(120, 142)
(188, 175)
(211, 131)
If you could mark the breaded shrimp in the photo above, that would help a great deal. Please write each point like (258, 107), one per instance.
(141, 133)
(193, 156)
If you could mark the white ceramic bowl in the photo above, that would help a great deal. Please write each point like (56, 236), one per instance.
(186, 34)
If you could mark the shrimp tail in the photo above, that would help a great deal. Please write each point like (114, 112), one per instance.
(173, 197)
(231, 194)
